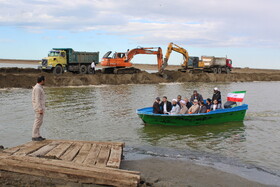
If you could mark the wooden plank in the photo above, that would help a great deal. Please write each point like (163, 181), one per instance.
(83, 153)
(103, 156)
(72, 152)
(115, 158)
(34, 146)
(62, 164)
(93, 142)
(93, 154)
(45, 149)
(59, 150)
(12, 150)
(42, 167)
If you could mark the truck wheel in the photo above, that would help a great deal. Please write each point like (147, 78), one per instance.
(219, 70)
(89, 69)
(83, 69)
(215, 70)
(58, 70)
(227, 71)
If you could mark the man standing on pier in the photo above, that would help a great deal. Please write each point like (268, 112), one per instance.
(38, 102)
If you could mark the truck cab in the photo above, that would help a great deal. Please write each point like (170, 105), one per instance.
(55, 58)
(229, 63)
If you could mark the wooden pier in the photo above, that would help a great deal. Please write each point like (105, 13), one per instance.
(85, 162)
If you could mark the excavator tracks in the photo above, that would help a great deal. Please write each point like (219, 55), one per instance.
(131, 70)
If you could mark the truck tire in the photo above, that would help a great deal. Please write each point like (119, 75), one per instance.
(219, 70)
(83, 69)
(215, 70)
(227, 71)
(58, 70)
(89, 69)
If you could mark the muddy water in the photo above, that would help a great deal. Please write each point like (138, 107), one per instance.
(107, 113)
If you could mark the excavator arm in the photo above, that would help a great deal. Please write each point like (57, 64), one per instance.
(173, 47)
(150, 51)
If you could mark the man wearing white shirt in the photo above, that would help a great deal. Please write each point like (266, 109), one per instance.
(165, 105)
(93, 67)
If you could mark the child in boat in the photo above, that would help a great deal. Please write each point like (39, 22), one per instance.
(215, 105)
(208, 104)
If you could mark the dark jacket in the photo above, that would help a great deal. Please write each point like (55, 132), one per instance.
(217, 96)
(189, 104)
(198, 98)
(168, 106)
(156, 108)
(208, 106)
(178, 103)
(202, 109)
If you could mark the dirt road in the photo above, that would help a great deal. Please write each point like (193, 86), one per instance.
(26, 78)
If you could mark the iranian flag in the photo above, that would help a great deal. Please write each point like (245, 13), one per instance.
(237, 96)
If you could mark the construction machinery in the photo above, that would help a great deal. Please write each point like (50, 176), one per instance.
(189, 61)
(218, 65)
(120, 62)
(66, 59)
(192, 64)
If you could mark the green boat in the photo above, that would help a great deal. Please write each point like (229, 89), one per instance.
(213, 117)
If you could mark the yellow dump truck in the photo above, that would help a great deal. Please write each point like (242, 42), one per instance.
(66, 59)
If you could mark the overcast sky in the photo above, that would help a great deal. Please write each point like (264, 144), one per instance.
(247, 31)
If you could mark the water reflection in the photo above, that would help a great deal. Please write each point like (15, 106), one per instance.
(212, 137)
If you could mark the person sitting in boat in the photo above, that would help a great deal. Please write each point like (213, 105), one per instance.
(202, 108)
(184, 108)
(208, 104)
(215, 105)
(217, 96)
(165, 105)
(175, 107)
(194, 108)
(188, 104)
(196, 96)
(179, 99)
(156, 106)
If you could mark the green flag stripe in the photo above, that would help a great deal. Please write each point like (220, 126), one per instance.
(239, 92)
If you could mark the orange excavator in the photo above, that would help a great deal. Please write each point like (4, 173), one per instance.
(120, 63)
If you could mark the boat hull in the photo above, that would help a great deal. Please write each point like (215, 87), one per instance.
(213, 117)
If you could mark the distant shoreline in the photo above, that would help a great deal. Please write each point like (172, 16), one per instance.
(17, 61)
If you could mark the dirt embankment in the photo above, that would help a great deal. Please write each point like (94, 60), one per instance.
(25, 78)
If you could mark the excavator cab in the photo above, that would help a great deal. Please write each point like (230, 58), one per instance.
(193, 62)
(120, 62)
(107, 54)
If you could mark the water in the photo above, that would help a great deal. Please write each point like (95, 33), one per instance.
(107, 113)
(12, 65)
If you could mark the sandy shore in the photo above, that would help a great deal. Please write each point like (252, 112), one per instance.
(160, 172)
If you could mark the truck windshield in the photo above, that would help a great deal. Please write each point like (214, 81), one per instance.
(54, 53)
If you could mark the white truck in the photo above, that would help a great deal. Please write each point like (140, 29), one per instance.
(216, 64)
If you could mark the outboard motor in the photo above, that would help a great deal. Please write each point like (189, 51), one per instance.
(230, 104)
